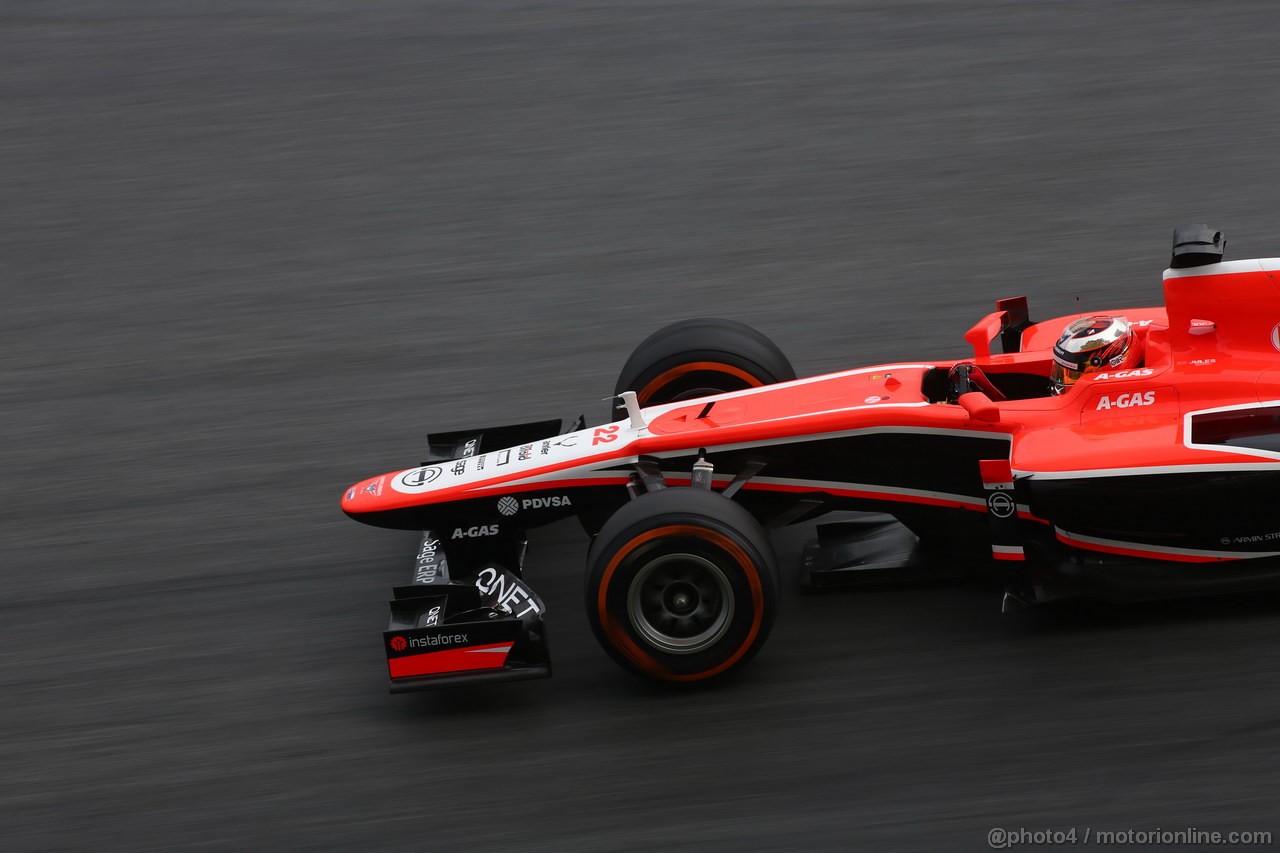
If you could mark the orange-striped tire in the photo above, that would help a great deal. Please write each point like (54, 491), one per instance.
(682, 585)
(695, 358)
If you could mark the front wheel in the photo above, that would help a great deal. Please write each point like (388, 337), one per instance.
(696, 358)
(682, 585)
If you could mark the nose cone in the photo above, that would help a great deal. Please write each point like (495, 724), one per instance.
(363, 496)
(375, 503)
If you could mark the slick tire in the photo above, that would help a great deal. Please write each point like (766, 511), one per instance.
(682, 585)
(695, 358)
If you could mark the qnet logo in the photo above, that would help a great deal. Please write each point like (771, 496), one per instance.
(398, 643)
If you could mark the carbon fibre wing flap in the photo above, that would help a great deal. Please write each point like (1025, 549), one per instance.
(460, 444)
(465, 623)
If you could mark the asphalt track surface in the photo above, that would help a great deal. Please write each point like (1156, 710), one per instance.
(253, 252)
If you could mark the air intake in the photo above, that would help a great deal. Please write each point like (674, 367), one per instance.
(1195, 246)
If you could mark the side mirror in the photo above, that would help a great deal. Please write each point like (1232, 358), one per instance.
(980, 407)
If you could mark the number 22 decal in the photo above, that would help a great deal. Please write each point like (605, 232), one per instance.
(604, 434)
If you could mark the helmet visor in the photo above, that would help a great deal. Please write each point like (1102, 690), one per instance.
(1061, 378)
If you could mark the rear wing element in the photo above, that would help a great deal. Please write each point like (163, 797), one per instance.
(465, 618)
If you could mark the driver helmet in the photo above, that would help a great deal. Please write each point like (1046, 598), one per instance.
(1091, 345)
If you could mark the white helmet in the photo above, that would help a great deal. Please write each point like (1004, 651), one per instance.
(1092, 344)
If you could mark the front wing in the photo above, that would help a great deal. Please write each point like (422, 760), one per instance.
(465, 619)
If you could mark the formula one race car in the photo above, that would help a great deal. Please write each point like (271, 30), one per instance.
(1134, 481)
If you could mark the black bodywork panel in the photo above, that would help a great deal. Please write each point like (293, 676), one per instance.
(466, 616)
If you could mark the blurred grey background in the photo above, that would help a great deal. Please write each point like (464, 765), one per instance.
(251, 252)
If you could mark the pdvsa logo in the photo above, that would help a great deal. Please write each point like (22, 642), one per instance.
(398, 643)
(1126, 401)
(1126, 374)
(510, 506)
(545, 503)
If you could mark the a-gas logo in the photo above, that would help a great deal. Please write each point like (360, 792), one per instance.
(398, 643)
(1126, 401)
(475, 532)
(1126, 374)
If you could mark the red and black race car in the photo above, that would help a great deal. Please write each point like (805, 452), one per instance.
(1148, 481)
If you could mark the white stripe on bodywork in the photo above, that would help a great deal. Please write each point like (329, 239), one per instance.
(798, 439)
(1226, 268)
(757, 482)
(1221, 448)
(590, 471)
(1242, 467)
(837, 486)
(498, 650)
(1162, 549)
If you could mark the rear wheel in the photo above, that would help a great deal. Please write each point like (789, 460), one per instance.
(681, 585)
(695, 358)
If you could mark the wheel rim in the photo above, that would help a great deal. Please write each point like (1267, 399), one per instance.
(681, 603)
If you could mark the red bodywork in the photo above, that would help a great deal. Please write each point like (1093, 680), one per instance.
(1112, 467)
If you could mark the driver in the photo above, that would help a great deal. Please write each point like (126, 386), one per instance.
(1091, 345)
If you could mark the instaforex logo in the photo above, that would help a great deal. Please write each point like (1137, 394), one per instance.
(431, 641)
